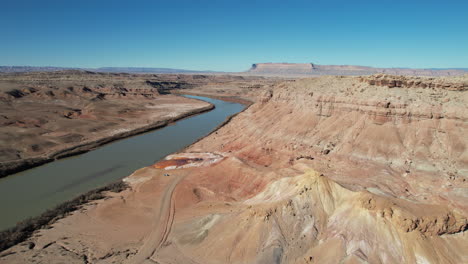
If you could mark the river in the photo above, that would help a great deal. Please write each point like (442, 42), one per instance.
(31, 192)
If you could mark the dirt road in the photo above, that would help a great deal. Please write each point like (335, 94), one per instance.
(163, 219)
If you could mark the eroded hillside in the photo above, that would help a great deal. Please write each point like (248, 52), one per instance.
(321, 170)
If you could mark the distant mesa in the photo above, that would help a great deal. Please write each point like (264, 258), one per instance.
(284, 68)
(279, 69)
(258, 69)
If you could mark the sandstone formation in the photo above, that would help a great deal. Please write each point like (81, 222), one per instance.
(320, 170)
(305, 69)
(453, 84)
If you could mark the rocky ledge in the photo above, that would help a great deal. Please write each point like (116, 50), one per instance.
(392, 81)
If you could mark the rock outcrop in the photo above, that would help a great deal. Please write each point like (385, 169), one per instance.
(392, 81)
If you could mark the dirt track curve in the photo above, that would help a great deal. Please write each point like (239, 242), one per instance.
(162, 224)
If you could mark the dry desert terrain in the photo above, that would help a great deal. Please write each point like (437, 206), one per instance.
(332, 169)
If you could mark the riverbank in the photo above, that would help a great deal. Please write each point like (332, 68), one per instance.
(25, 228)
(10, 167)
(228, 98)
(50, 115)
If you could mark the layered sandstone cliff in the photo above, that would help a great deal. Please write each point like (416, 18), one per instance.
(391, 81)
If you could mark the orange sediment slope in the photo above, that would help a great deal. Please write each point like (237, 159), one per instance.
(185, 160)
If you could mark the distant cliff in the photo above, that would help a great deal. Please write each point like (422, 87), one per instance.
(283, 68)
(314, 69)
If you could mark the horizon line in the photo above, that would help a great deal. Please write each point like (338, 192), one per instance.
(191, 70)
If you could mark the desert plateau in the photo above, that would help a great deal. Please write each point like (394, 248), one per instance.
(330, 169)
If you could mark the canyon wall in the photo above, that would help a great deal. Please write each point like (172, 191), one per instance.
(332, 170)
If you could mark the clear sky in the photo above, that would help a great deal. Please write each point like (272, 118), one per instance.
(231, 35)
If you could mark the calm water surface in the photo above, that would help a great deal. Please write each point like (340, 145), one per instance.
(31, 192)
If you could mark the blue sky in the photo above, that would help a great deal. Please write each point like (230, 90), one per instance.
(231, 35)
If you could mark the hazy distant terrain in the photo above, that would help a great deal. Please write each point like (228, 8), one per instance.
(12, 69)
(263, 69)
(311, 69)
